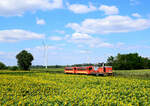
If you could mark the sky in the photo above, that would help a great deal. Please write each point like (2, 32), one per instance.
(74, 31)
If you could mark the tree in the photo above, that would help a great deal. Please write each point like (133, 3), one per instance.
(110, 60)
(24, 60)
(2, 66)
(128, 62)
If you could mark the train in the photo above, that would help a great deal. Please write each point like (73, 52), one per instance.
(89, 70)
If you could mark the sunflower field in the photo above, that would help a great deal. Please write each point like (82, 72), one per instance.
(58, 89)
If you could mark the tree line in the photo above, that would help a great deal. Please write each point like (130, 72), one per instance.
(50, 66)
(128, 62)
(120, 62)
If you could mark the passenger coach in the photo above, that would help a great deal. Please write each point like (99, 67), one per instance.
(104, 70)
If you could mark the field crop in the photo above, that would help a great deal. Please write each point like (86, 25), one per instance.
(50, 88)
(139, 74)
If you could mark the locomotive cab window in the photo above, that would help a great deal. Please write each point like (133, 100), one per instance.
(90, 68)
(96, 68)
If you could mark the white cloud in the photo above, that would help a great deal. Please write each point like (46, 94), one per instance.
(80, 36)
(40, 21)
(19, 7)
(85, 39)
(17, 35)
(110, 24)
(136, 15)
(56, 38)
(60, 31)
(105, 44)
(80, 8)
(109, 10)
(49, 47)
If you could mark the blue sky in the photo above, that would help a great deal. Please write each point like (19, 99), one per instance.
(75, 31)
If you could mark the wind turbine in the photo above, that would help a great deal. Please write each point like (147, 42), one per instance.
(45, 54)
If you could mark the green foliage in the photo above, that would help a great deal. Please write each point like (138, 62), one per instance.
(128, 62)
(2, 66)
(52, 66)
(14, 68)
(110, 60)
(56, 66)
(24, 60)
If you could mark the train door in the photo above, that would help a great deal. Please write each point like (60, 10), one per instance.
(104, 69)
(75, 69)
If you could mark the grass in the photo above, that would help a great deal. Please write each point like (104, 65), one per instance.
(140, 74)
(50, 70)
(52, 87)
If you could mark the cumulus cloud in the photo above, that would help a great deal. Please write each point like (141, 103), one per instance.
(40, 21)
(110, 24)
(17, 35)
(80, 36)
(109, 10)
(136, 15)
(80, 8)
(19, 7)
(85, 39)
(56, 38)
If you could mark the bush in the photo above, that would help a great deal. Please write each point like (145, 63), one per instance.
(14, 68)
(129, 61)
(2, 66)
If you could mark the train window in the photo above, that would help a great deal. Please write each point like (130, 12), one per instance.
(69, 68)
(82, 68)
(90, 68)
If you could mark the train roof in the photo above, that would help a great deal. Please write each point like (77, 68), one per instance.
(87, 66)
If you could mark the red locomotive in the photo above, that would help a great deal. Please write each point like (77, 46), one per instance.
(104, 70)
